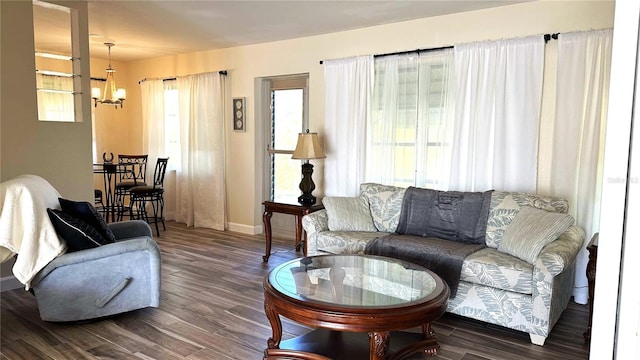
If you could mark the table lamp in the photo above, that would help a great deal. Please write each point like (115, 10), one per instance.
(308, 147)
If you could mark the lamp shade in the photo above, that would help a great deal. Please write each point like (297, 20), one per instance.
(308, 147)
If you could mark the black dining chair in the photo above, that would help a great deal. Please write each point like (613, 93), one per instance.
(97, 199)
(141, 196)
(134, 174)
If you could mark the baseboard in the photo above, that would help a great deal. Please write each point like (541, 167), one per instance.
(244, 229)
(9, 283)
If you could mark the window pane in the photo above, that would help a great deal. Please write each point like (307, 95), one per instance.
(409, 127)
(287, 174)
(287, 121)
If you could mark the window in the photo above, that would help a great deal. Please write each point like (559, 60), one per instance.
(288, 112)
(55, 96)
(408, 136)
(58, 80)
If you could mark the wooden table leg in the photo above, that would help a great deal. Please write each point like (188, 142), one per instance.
(276, 327)
(304, 243)
(298, 232)
(430, 339)
(428, 346)
(266, 221)
(378, 345)
(591, 281)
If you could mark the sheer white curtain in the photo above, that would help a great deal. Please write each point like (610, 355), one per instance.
(153, 121)
(200, 198)
(498, 95)
(409, 132)
(98, 130)
(584, 66)
(348, 87)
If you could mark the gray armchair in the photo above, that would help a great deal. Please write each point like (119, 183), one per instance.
(102, 281)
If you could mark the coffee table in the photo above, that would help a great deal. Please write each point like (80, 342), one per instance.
(347, 295)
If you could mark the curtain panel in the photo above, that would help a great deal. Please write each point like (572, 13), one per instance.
(409, 132)
(153, 120)
(200, 187)
(584, 67)
(348, 88)
(196, 194)
(98, 130)
(497, 115)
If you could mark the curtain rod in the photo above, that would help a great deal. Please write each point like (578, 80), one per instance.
(408, 52)
(221, 72)
(547, 38)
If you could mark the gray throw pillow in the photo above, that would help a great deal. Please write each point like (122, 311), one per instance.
(348, 214)
(385, 203)
(531, 230)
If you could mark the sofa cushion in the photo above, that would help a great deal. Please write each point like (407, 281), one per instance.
(348, 214)
(531, 230)
(505, 206)
(348, 242)
(499, 270)
(87, 213)
(76, 233)
(385, 202)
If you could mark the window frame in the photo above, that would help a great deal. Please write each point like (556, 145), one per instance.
(285, 82)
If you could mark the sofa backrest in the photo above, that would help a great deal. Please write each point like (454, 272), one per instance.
(506, 205)
(385, 203)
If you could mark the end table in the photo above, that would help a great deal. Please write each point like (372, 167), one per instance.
(591, 279)
(291, 207)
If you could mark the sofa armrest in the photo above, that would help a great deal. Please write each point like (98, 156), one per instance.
(553, 275)
(315, 222)
(562, 252)
(130, 229)
(143, 243)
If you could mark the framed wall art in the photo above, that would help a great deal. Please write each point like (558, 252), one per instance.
(239, 116)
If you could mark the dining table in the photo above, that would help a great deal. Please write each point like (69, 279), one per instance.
(111, 173)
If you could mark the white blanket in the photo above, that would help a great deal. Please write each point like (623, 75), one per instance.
(25, 228)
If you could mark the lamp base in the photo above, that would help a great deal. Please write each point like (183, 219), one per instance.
(307, 186)
(307, 199)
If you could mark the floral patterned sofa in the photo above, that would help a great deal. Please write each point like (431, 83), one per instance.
(495, 287)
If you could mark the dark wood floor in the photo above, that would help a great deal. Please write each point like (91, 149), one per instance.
(212, 309)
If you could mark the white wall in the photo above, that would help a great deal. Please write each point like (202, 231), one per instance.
(59, 152)
(245, 64)
(616, 317)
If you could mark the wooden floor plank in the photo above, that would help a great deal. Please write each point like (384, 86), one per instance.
(212, 308)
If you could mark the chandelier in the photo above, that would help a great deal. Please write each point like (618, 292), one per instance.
(111, 95)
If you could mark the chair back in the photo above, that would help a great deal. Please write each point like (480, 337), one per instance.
(159, 172)
(136, 166)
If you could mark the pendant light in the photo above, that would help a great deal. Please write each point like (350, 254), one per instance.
(111, 95)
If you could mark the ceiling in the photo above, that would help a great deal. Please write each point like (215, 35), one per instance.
(147, 29)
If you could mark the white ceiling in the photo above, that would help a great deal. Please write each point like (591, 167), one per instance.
(147, 29)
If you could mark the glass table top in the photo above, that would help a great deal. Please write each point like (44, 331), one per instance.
(353, 280)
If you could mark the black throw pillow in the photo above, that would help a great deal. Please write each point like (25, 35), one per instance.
(87, 213)
(76, 233)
